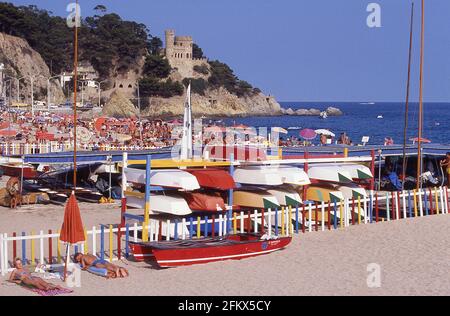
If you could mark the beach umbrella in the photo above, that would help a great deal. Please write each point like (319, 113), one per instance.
(308, 134)
(279, 130)
(72, 231)
(324, 132)
(176, 122)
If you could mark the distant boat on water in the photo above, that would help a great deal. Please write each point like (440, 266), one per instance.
(367, 103)
(294, 128)
(380, 117)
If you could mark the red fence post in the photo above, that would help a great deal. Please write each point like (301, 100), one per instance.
(372, 169)
(262, 221)
(119, 242)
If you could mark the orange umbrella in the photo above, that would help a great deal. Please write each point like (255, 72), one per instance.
(72, 231)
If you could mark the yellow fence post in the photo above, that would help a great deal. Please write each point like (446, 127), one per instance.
(415, 203)
(111, 246)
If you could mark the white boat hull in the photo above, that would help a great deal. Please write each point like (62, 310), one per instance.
(164, 178)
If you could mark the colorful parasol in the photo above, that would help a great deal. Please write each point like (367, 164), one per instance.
(308, 134)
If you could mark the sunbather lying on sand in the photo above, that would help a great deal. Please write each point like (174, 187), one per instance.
(89, 260)
(22, 276)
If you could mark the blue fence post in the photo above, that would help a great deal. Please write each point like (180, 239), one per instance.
(409, 204)
(176, 230)
(191, 227)
(371, 210)
(426, 202)
(102, 242)
(206, 226)
(24, 249)
(335, 216)
(296, 220)
(127, 240)
(276, 221)
(76, 249)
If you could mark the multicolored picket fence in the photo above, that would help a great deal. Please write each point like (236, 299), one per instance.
(19, 149)
(111, 242)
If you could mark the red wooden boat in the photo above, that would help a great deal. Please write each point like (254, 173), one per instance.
(15, 170)
(189, 252)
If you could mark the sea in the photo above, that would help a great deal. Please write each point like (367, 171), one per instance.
(362, 119)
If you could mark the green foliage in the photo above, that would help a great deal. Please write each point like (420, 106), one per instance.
(101, 8)
(197, 52)
(103, 39)
(222, 76)
(156, 67)
(155, 45)
(198, 86)
(202, 69)
(150, 87)
(48, 35)
(107, 38)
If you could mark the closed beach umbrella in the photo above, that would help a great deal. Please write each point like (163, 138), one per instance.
(308, 134)
(324, 132)
(72, 231)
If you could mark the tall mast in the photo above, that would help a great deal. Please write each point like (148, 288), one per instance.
(407, 95)
(419, 142)
(75, 67)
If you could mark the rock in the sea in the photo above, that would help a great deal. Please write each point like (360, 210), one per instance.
(314, 112)
(289, 112)
(332, 111)
(305, 112)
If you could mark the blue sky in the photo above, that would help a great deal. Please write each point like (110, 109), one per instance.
(304, 50)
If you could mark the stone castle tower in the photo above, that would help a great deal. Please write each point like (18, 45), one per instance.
(179, 53)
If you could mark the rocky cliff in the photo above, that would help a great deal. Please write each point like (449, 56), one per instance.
(21, 61)
(217, 102)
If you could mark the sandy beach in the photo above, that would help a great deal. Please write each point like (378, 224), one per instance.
(413, 255)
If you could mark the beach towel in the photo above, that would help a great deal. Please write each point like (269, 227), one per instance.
(49, 292)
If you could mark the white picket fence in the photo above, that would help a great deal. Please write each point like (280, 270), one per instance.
(380, 207)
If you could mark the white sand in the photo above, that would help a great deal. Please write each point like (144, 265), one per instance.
(414, 256)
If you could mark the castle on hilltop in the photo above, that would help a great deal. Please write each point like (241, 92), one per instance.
(179, 53)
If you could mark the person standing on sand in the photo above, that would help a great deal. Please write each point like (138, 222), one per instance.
(445, 164)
